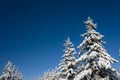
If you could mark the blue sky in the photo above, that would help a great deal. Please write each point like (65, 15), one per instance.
(32, 32)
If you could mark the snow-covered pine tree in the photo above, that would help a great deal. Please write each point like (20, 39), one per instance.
(10, 73)
(94, 59)
(17, 74)
(8, 68)
(55, 74)
(46, 76)
(66, 66)
(50, 75)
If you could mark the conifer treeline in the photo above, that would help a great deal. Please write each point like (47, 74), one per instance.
(93, 61)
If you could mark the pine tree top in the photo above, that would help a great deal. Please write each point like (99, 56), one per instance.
(89, 23)
(68, 43)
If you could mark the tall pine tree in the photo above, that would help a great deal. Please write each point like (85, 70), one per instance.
(94, 59)
(67, 68)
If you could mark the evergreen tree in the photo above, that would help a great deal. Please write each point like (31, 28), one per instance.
(54, 74)
(94, 59)
(10, 73)
(46, 76)
(17, 74)
(50, 75)
(67, 67)
(8, 69)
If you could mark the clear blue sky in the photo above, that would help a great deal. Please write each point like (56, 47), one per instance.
(32, 32)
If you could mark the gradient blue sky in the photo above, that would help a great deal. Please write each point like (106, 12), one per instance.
(32, 32)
